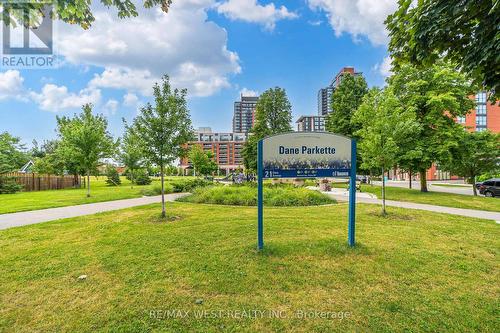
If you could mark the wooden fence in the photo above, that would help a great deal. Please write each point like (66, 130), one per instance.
(38, 182)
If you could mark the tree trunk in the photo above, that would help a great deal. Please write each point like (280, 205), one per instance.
(88, 184)
(163, 211)
(409, 173)
(131, 179)
(423, 181)
(474, 189)
(383, 192)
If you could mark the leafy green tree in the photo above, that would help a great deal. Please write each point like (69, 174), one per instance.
(464, 32)
(131, 152)
(47, 158)
(72, 12)
(12, 153)
(202, 161)
(85, 140)
(112, 176)
(346, 99)
(12, 157)
(474, 154)
(437, 95)
(386, 127)
(273, 115)
(165, 128)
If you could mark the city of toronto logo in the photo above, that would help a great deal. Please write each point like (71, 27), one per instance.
(27, 35)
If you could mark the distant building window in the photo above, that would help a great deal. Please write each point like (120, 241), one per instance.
(481, 109)
(481, 97)
(461, 120)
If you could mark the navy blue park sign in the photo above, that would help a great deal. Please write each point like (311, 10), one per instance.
(306, 155)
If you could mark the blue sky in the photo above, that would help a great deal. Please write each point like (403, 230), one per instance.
(215, 49)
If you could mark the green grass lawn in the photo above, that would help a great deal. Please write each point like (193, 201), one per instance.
(433, 198)
(411, 271)
(100, 191)
(451, 185)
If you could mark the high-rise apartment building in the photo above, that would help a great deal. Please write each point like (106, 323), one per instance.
(325, 101)
(325, 94)
(244, 114)
(311, 124)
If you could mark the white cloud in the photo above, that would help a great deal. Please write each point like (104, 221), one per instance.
(384, 68)
(11, 84)
(140, 50)
(124, 78)
(56, 98)
(130, 100)
(358, 17)
(248, 92)
(251, 11)
(111, 106)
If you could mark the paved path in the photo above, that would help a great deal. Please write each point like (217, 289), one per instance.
(44, 215)
(481, 214)
(432, 186)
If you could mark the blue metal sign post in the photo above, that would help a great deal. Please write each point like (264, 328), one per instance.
(306, 155)
(260, 203)
(352, 196)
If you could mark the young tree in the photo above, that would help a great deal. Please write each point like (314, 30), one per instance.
(437, 95)
(85, 140)
(72, 12)
(112, 176)
(131, 152)
(164, 128)
(464, 32)
(346, 99)
(273, 115)
(203, 161)
(386, 126)
(474, 154)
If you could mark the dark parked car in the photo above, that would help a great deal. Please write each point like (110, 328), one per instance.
(490, 187)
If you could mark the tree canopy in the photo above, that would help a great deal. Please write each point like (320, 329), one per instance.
(464, 32)
(386, 129)
(12, 153)
(273, 115)
(73, 12)
(474, 154)
(438, 95)
(203, 161)
(164, 128)
(346, 99)
(131, 154)
(85, 140)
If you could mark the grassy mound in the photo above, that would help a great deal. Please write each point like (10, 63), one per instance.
(247, 196)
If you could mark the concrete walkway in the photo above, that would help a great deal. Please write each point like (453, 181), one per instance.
(44, 215)
(481, 214)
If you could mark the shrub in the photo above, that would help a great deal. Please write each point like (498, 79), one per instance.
(142, 177)
(156, 190)
(8, 185)
(189, 185)
(247, 196)
(113, 177)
